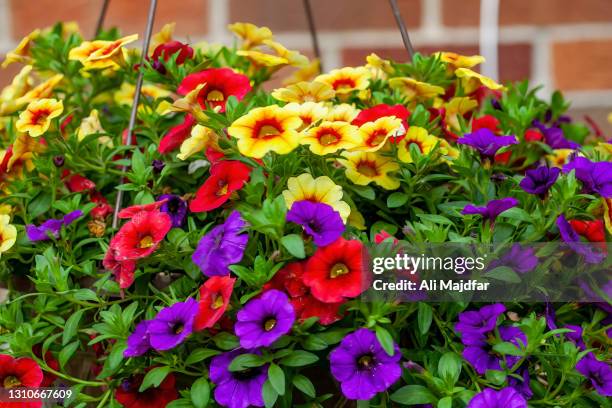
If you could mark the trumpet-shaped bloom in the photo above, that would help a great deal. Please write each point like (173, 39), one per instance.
(346, 80)
(51, 227)
(486, 142)
(21, 53)
(226, 177)
(215, 296)
(250, 34)
(315, 91)
(101, 54)
(141, 236)
(539, 181)
(293, 58)
(416, 136)
(172, 325)
(375, 134)
(415, 90)
(492, 209)
(267, 129)
(36, 119)
(318, 190)
(342, 113)
(219, 84)
(129, 396)
(139, 342)
(472, 80)
(596, 177)
(383, 110)
(455, 61)
(176, 135)
(319, 220)
(40, 91)
(175, 207)
(8, 233)
(261, 59)
(201, 139)
(168, 49)
(559, 157)
(599, 372)
(329, 137)
(505, 398)
(458, 107)
(572, 239)
(362, 168)
(20, 372)
(91, 125)
(309, 112)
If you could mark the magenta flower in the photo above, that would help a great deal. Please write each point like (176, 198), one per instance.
(479, 349)
(172, 325)
(538, 181)
(479, 321)
(319, 220)
(222, 246)
(138, 343)
(553, 136)
(51, 227)
(264, 320)
(237, 389)
(492, 209)
(363, 367)
(596, 177)
(599, 372)
(486, 142)
(521, 260)
(505, 398)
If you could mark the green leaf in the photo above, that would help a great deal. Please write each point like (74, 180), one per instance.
(71, 327)
(67, 353)
(413, 395)
(180, 403)
(294, 244)
(449, 368)
(508, 349)
(397, 199)
(269, 394)
(154, 378)
(277, 378)
(85, 294)
(504, 274)
(200, 393)
(424, 317)
(200, 354)
(495, 376)
(516, 213)
(435, 219)
(446, 402)
(385, 340)
(244, 361)
(303, 384)
(299, 358)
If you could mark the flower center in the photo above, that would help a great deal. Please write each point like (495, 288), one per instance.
(267, 131)
(222, 188)
(366, 361)
(377, 137)
(269, 324)
(11, 382)
(328, 139)
(217, 301)
(337, 270)
(39, 116)
(178, 328)
(414, 142)
(344, 83)
(368, 169)
(215, 96)
(146, 242)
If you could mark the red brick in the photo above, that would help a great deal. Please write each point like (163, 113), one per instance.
(129, 15)
(583, 65)
(288, 15)
(529, 12)
(514, 59)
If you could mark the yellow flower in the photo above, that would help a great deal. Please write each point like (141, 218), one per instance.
(559, 157)
(417, 136)
(309, 112)
(263, 59)
(250, 34)
(293, 57)
(314, 91)
(201, 139)
(306, 73)
(346, 80)
(607, 204)
(374, 134)
(378, 66)
(342, 113)
(8, 233)
(101, 54)
(362, 168)
(456, 107)
(163, 36)
(472, 80)
(356, 219)
(22, 52)
(413, 89)
(20, 84)
(454, 60)
(6, 209)
(90, 125)
(266, 129)
(36, 119)
(43, 90)
(319, 190)
(329, 137)
(125, 94)
(24, 148)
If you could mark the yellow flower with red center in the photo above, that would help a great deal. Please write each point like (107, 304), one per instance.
(101, 54)
(91, 125)
(262, 59)
(20, 84)
(43, 90)
(200, 140)
(293, 57)
(378, 67)
(250, 34)
(309, 112)
(559, 157)
(8, 233)
(36, 119)
(374, 135)
(24, 148)
(329, 137)
(472, 80)
(607, 204)
(415, 90)
(163, 36)
(267, 129)
(346, 80)
(342, 113)
(456, 107)
(314, 91)
(305, 73)
(363, 168)
(21, 53)
(416, 136)
(454, 60)
(319, 190)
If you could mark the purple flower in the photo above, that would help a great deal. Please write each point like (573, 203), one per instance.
(522, 386)
(237, 389)
(479, 349)
(575, 336)
(492, 209)
(479, 321)
(264, 320)
(572, 239)
(158, 165)
(175, 207)
(363, 367)
(51, 227)
(172, 325)
(486, 142)
(521, 260)
(319, 220)
(596, 177)
(553, 136)
(139, 342)
(222, 246)
(599, 372)
(505, 398)
(538, 181)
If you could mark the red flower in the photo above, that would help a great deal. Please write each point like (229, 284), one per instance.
(336, 271)
(533, 135)
(225, 177)
(141, 236)
(486, 122)
(102, 208)
(383, 235)
(593, 231)
(130, 212)
(380, 111)
(166, 50)
(219, 84)
(20, 372)
(290, 280)
(214, 297)
(503, 158)
(155, 397)
(176, 135)
(123, 270)
(48, 378)
(77, 183)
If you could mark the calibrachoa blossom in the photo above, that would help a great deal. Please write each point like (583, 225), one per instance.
(572, 239)
(492, 209)
(172, 325)
(538, 181)
(8, 233)
(520, 259)
(214, 299)
(218, 85)
(17, 373)
(505, 398)
(481, 321)
(175, 207)
(363, 367)
(36, 119)
(140, 236)
(363, 168)
(52, 227)
(237, 389)
(222, 246)
(139, 342)
(319, 220)
(598, 372)
(319, 190)
(486, 142)
(264, 320)
(330, 137)
(129, 396)
(596, 177)
(226, 177)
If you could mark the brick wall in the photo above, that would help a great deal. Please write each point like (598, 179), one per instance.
(565, 44)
